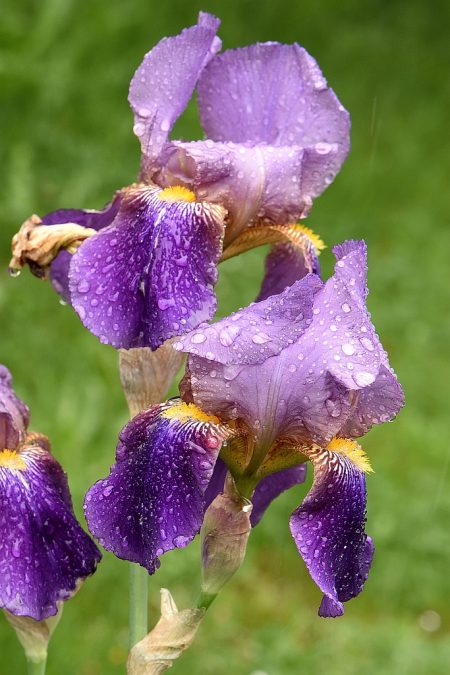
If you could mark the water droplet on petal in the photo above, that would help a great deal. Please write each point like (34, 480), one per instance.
(83, 286)
(363, 379)
(348, 348)
(198, 338)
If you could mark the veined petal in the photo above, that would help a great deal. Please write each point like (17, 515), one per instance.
(328, 527)
(44, 552)
(164, 82)
(270, 93)
(154, 497)
(14, 414)
(96, 220)
(150, 275)
(259, 331)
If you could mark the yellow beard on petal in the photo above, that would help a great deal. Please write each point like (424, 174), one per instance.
(10, 459)
(315, 239)
(352, 450)
(177, 193)
(184, 412)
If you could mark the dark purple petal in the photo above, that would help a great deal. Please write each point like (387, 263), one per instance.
(164, 82)
(285, 264)
(44, 552)
(14, 414)
(257, 332)
(96, 220)
(273, 94)
(328, 529)
(151, 274)
(272, 486)
(154, 497)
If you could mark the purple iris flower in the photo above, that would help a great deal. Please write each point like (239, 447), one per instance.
(276, 136)
(295, 377)
(44, 552)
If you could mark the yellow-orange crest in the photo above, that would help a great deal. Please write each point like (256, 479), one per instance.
(316, 241)
(177, 193)
(185, 412)
(352, 450)
(10, 459)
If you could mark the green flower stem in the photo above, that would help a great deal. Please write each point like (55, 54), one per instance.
(36, 667)
(205, 600)
(138, 608)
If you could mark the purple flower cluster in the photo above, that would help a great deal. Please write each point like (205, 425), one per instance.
(296, 377)
(276, 137)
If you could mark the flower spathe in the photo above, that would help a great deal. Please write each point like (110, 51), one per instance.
(276, 137)
(44, 552)
(295, 377)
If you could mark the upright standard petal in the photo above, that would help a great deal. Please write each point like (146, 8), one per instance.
(96, 220)
(270, 93)
(328, 527)
(154, 497)
(14, 414)
(44, 552)
(276, 95)
(151, 274)
(164, 82)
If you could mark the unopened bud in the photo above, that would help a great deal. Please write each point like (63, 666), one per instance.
(225, 531)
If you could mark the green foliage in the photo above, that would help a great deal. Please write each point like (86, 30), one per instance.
(67, 141)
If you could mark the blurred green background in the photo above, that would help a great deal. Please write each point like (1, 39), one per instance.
(66, 140)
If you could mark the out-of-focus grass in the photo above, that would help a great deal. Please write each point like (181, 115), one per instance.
(67, 141)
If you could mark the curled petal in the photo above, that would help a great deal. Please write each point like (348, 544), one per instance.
(14, 414)
(328, 529)
(164, 82)
(154, 497)
(44, 552)
(150, 275)
(284, 265)
(261, 330)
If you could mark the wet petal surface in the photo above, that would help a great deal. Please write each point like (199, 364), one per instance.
(164, 82)
(328, 529)
(44, 552)
(96, 220)
(154, 498)
(151, 274)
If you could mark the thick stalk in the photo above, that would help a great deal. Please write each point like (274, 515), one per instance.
(36, 667)
(138, 599)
